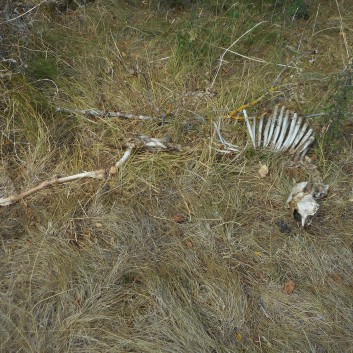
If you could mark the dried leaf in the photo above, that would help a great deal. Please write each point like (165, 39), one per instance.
(239, 337)
(179, 218)
(78, 300)
(289, 287)
(336, 277)
(260, 276)
(189, 244)
(263, 171)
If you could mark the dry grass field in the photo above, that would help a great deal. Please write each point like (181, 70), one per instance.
(185, 251)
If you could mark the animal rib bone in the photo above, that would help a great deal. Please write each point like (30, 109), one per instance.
(228, 147)
(251, 130)
(284, 131)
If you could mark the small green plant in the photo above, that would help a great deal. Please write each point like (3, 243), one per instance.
(42, 68)
(293, 9)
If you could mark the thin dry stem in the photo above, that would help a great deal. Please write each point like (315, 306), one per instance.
(225, 52)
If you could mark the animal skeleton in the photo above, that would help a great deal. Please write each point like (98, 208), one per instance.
(283, 131)
(141, 142)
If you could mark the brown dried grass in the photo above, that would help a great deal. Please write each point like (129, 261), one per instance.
(91, 267)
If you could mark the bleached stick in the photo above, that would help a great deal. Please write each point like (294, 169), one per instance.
(101, 114)
(228, 49)
(25, 13)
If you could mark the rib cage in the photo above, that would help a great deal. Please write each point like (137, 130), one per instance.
(282, 131)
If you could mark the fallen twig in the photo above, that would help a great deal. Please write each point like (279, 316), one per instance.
(315, 115)
(102, 114)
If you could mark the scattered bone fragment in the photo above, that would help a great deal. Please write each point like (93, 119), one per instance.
(263, 171)
(137, 143)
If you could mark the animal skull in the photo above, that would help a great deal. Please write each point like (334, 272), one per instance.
(304, 198)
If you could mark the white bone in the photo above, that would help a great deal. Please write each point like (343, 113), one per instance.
(307, 207)
(252, 137)
(273, 122)
(227, 145)
(254, 129)
(298, 138)
(295, 132)
(278, 127)
(306, 142)
(268, 124)
(283, 132)
(259, 133)
(286, 143)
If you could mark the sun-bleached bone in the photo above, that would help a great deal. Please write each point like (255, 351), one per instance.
(250, 129)
(272, 126)
(278, 128)
(228, 147)
(259, 134)
(283, 131)
(290, 132)
(136, 143)
(304, 199)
